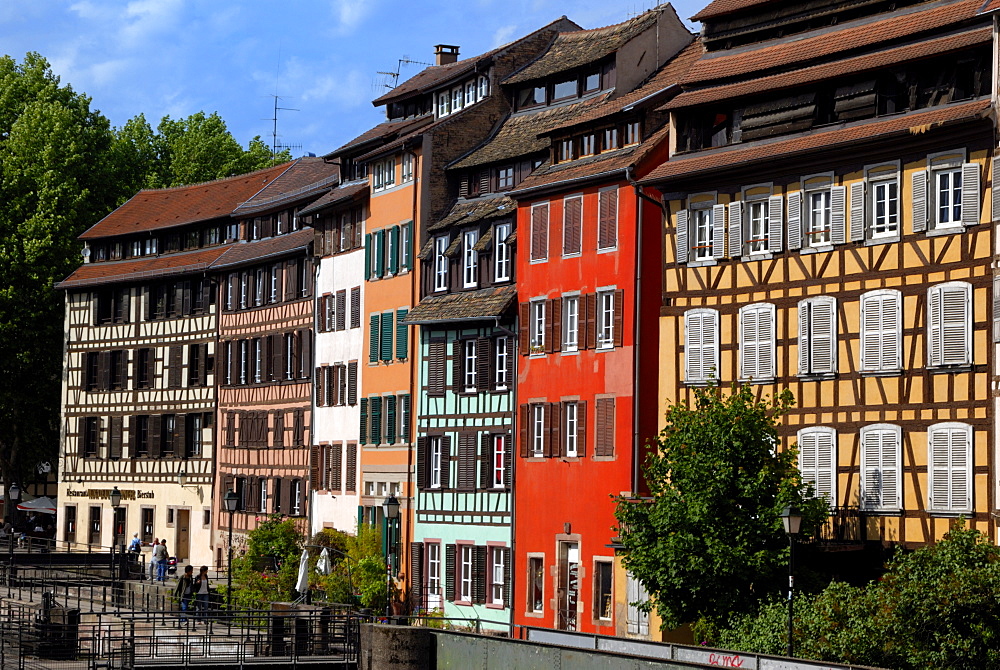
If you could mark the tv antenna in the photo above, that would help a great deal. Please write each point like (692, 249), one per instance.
(275, 147)
(391, 79)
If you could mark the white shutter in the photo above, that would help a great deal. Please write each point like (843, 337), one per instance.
(880, 477)
(794, 221)
(718, 231)
(710, 344)
(891, 488)
(765, 330)
(995, 188)
(682, 236)
(881, 324)
(822, 335)
(919, 198)
(858, 211)
(838, 197)
(804, 342)
(970, 194)
(757, 342)
(961, 468)
(693, 336)
(632, 596)
(939, 446)
(775, 223)
(871, 490)
(748, 343)
(949, 327)
(817, 449)
(735, 229)
(949, 457)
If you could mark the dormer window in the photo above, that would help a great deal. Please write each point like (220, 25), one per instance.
(505, 178)
(470, 92)
(409, 161)
(444, 104)
(564, 89)
(440, 263)
(503, 256)
(530, 97)
(610, 139)
(384, 174)
(588, 145)
(566, 150)
(484, 86)
(470, 264)
(457, 99)
(592, 82)
(631, 133)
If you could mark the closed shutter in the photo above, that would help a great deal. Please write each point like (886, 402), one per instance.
(375, 412)
(352, 383)
(484, 358)
(970, 194)
(417, 575)
(479, 572)
(363, 428)
(351, 485)
(436, 368)
(817, 449)
(735, 229)
(356, 307)
(701, 345)
(390, 419)
(539, 232)
(881, 323)
(838, 197)
(466, 461)
(607, 225)
(757, 342)
(115, 439)
(918, 183)
(155, 435)
(104, 370)
(336, 466)
(449, 572)
(394, 250)
(619, 318)
(446, 461)
(176, 364)
(858, 211)
(794, 221)
(373, 338)
(950, 461)
(402, 339)
(279, 429)
(385, 352)
(682, 236)
(581, 429)
(775, 223)
(524, 317)
(572, 225)
(422, 462)
(718, 231)
(340, 304)
(605, 427)
(817, 336)
(949, 324)
(880, 483)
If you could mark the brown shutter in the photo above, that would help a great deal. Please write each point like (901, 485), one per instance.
(305, 362)
(175, 364)
(279, 429)
(446, 461)
(180, 435)
(549, 337)
(581, 428)
(155, 435)
(508, 459)
(466, 462)
(417, 574)
(458, 366)
(573, 221)
(104, 371)
(300, 427)
(352, 383)
(449, 572)
(590, 324)
(525, 319)
(485, 460)
(341, 303)
(337, 481)
(314, 468)
(619, 321)
(479, 574)
(550, 424)
(203, 364)
(506, 576)
(115, 440)
(605, 444)
(277, 351)
(436, 367)
(421, 462)
(484, 360)
(319, 380)
(556, 321)
(524, 432)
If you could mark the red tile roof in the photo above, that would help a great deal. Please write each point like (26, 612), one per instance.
(137, 269)
(818, 73)
(718, 8)
(307, 177)
(340, 194)
(990, 6)
(169, 207)
(844, 134)
(836, 39)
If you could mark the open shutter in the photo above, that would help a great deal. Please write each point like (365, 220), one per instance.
(421, 462)
(619, 317)
(553, 423)
(735, 229)
(479, 573)
(995, 188)
(402, 341)
(718, 231)
(394, 249)
(838, 197)
(858, 211)
(352, 383)
(804, 342)
(508, 459)
(506, 576)
(363, 427)
(314, 470)
(417, 574)
(446, 461)
(581, 429)
(385, 346)
(589, 321)
(996, 307)
(483, 364)
(682, 236)
(918, 183)
(404, 423)
(449, 572)
(794, 221)
(749, 338)
(775, 223)
(970, 194)
(458, 366)
(368, 255)
(373, 338)
(525, 322)
(524, 415)
(553, 335)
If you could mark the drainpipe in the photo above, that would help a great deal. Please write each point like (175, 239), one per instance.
(514, 450)
(640, 223)
(414, 368)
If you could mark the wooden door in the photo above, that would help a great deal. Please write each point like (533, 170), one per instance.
(183, 543)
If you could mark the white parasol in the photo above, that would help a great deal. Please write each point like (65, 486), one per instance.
(45, 505)
(323, 564)
(302, 583)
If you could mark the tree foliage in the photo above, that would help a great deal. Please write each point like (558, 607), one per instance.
(709, 541)
(360, 575)
(266, 571)
(937, 607)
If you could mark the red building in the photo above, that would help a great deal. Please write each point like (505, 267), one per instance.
(587, 374)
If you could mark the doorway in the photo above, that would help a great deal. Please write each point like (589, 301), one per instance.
(118, 529)
(569, 584)
(182, 547)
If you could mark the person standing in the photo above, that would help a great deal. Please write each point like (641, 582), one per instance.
(160, 554)
(202, 590)
(135, 546)
(152, 559)
(184, 592)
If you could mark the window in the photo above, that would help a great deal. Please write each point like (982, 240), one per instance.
(701, 346)
(703, 235)
(603, 594)
(258, 295)
(606, 319)
(470, 264)
(405, 233)
(470, 92)
(571, 323)
(193, 439)
(757, 227)
(263, 496)
(296, 497)
(588, 145)
(540, 231)
(146, 525)
(538, 430)
(409, 162)
(497, 564)
(484, 86)
(948, 195)
(469, 367)
(885, 209)
(501, 363)
(536, 584)
(632, 133)
(503, 255)
(817, 229)
(498, 461)
(91, 435)
(818, 461)
(818, 336)
(949, 447)
(566, 150)
(434, 462)
(564, 89)
(881, 479)
(757, 342)
(881, 332)
(949, 324)
(444, 104)
(384, 174)
(537, 340)
(433, 574)
(465, 572)
(610, 139)
(440, 263)
(570, 428)
(457, 98)
(572, 225)
(505, 177)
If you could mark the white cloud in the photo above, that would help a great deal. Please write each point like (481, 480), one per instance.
(350, 14)
(503, 34)
(145, 19)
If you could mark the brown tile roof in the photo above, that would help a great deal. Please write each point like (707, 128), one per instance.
(404, 138)
(487, 303)
(825, 139)
(826, 41)
(718, 8)
(170, 207)
(137, 269)
(575, 49)
(385, 131)
(308, 177)
(471, 211)
(520, 134)
(341, 193)
(990, 6)
(259, 250)
(817, 73)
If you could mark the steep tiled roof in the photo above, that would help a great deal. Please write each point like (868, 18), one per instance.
(520, 134)
(385, 131)
(341, 193)
(718, 8)
(819, 73)
(259, 250)
(170, 207)
(307, 177)
(578, 48)
(487, 303)
(801, 49)
(137, 269)
(471, 211)
(828, 138)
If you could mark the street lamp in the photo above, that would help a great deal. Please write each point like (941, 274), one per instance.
(116, 500)
(13, 495)
(230, 500)
(390, 506)
(791, 519)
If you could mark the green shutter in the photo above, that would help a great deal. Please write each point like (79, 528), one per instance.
(380, 253)
(373, 339)
(394, 249)
(364, 420)
(390, 419)
(404, 426)
(368, 256)
(386, 348)
(402, 341)
(376, 422)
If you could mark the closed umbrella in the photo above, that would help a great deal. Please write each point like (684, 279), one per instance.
(323, 564)
(302, 583)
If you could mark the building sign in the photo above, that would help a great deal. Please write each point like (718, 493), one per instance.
(105, 494)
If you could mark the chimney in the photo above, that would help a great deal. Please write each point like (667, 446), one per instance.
(445, 53)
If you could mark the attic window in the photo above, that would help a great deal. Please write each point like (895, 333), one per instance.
(564, 89)
(588, 145)
(592, 82)
(566, 150)
(529, 97)
(610, 139)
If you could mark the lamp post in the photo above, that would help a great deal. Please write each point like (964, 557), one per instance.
(230, 500)
(791, 518)
(116, 500)
(13, 495)
(391, 508)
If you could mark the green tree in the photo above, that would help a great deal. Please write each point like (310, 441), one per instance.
(266, 571)
(360, 575)
(709, 540)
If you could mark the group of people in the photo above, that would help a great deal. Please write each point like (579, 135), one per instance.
(191, 592)
(158, 559)
(32, 527)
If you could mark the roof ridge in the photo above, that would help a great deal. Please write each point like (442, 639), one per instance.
(218, 179)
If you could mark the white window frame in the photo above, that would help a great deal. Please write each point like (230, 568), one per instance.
(949, 338)
(457, 98)
(814, 344)
(817, 231)
(537, 430)
(483, 84)
(470, 92)
(444, 103)
(409, 163)
(470, 264)
(289, 351)
(881, 346)
(258, 367)
(470, 357)
(501, 352)
(498, 460)
(950, 470)
(496, 575)
(433, 574)
(464, 578)
(434, 458)
(571, 323)
(754, 345)
(297, 497)
(571, 429)
(873, 475)
(274, 284)
(263, 495)
(537, 326)
(947, 182)
(501, 270)
(244, 361)
(606, 318)
(818, 460)
(440, 263)
(702, 234)
(701, 346)
(890, 205)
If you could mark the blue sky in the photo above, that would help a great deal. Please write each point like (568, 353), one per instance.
(178, 57)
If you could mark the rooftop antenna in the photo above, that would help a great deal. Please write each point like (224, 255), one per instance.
(275, 146)
(391, 79)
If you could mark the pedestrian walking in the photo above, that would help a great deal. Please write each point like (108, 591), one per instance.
(184, 591)
(162, 555)
(152, 559)
(135, 546)
(202, 590)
